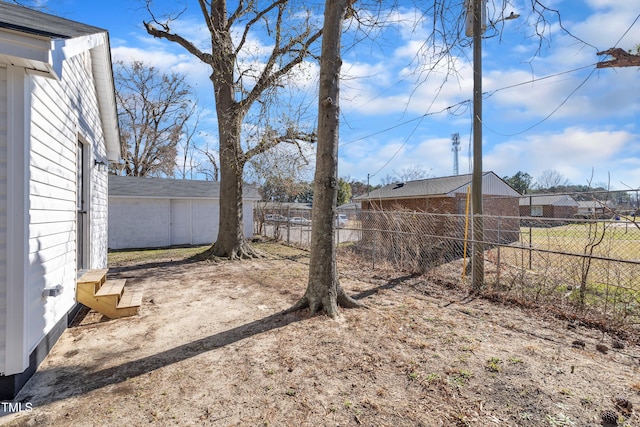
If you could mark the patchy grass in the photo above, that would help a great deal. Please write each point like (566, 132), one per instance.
(212, 347)
(145, 256)
(553, 269)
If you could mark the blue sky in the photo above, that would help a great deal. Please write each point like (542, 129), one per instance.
(546, 106)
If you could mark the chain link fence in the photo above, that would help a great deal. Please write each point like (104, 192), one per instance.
(293, 225)
(578, 260)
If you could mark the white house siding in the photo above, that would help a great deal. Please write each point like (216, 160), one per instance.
(55, 130)
(139, 223)
(90, 130)
(3, 214)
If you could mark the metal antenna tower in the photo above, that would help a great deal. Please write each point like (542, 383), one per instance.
(455, 147)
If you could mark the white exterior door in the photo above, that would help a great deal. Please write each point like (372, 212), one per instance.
(180, 224)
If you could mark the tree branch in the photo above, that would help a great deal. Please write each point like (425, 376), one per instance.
(255, 19)
(207, 58)
(269, 77)
(291, 136)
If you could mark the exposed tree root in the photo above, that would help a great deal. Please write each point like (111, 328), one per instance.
(242, 251)
(329, 303)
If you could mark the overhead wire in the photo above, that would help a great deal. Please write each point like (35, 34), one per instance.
(564, 101)
(627, 31)
(406, 122)
(487, 95)
(468, 101)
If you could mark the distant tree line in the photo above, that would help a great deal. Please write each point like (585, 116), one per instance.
(553, 182)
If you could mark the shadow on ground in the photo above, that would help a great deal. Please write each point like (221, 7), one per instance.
(85, 381)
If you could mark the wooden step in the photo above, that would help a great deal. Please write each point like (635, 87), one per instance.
(94, 276)
(130, 302)
(108, 297)
(111, 291)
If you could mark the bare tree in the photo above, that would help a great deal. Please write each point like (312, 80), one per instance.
(550, 179)
(412, 173)
(281, 163)
(210, 168)
(238, 86)
(324, 290)
(153, 112)
(188, 148)
(409, 173)
(389, 179)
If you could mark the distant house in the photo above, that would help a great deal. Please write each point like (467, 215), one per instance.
(285, 209)
(160, 212)
(392, 224)
(446, 195)
(351, 210)
(548, 206)
(58, 131)
(595, 209)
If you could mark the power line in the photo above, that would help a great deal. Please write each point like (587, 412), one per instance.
(467, 101)
(406, 122)
(491, 93)
(549, 115)
(628, 29)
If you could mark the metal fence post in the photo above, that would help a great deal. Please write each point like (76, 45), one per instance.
(373, 251)
(530, 245)
(498, 260)
(288, 226)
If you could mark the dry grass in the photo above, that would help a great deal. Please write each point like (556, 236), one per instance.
(209, 348)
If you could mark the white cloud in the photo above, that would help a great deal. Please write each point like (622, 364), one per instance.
(572, 152)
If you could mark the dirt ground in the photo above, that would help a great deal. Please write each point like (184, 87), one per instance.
(210, 347)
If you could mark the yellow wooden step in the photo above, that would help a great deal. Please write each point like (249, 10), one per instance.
(94, 276)
(90, 282)
(111, 288)
(110, 292)
(108, 297)
(130, 302)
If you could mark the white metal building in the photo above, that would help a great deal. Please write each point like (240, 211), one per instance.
(58, 120)
(160, 212)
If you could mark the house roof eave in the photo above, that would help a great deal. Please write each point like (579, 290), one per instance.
(41, 43)
(105, 87)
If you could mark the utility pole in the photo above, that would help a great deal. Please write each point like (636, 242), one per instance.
(477, 261)
(621, 59)
(475, 28)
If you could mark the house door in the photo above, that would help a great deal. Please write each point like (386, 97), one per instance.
(81, 209)
(180, 222)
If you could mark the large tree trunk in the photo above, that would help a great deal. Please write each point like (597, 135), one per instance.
(291, 45)
(324, 290)
(230, 242)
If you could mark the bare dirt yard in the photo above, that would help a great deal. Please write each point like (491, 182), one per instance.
(210, 347)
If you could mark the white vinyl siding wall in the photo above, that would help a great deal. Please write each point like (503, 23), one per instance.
(3, 215)
(62, 112)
